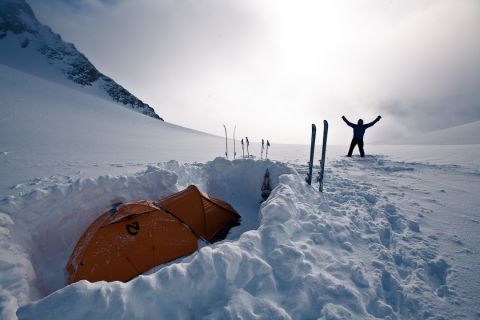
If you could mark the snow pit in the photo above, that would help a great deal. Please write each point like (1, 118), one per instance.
(48, 222)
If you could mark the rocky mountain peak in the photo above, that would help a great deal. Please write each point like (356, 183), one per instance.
(17, 20)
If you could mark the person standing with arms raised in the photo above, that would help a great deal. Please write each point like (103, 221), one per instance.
(358, 133)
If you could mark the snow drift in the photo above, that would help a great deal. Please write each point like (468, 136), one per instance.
(300, 254)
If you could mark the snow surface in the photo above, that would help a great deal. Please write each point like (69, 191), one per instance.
(47, 128)
(395, 235)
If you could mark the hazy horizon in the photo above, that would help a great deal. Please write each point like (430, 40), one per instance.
(274, 67)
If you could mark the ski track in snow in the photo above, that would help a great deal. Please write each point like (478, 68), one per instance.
(359, 250)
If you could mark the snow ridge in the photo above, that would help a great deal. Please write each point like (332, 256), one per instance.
(20, 28)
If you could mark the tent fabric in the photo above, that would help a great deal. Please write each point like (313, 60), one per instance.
(215, 213)
(134, 237)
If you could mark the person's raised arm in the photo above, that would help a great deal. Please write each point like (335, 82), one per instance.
(347, 122)
(373, 122)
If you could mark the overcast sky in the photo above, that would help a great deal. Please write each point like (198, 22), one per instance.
(272, 67)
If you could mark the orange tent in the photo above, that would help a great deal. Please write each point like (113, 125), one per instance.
(134, 237)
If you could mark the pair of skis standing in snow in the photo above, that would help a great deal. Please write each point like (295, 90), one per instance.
(308, 179)
(358, 133)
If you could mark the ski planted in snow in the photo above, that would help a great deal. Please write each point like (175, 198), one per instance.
(312, 151)
(234, 151)
(261, 152)
(322, 162)
(243, 150)
(248, 143)
(226, 142)
(266, 151)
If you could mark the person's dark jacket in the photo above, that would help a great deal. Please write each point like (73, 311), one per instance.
(359, 129)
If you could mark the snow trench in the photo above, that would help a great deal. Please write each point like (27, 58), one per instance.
(40, 229)
(348, 253)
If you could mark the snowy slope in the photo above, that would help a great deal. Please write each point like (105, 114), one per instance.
(47, 128)
(27, 45)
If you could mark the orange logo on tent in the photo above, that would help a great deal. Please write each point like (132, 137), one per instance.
(134, 237)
